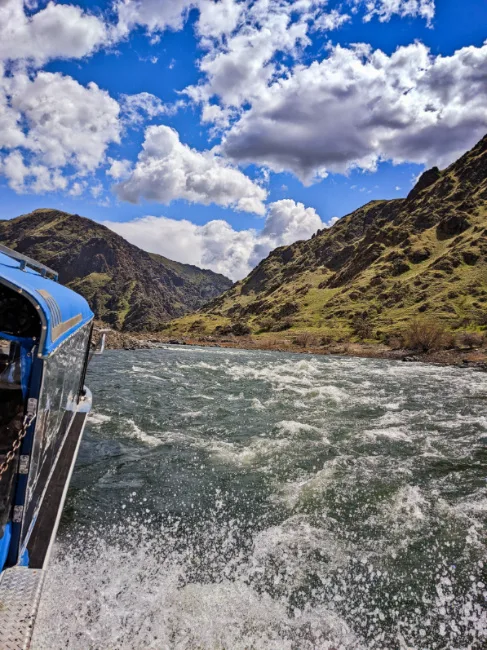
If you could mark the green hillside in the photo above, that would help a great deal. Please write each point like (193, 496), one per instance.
(126, 287)
(376, 269)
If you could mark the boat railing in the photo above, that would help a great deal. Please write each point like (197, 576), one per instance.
(44, 270)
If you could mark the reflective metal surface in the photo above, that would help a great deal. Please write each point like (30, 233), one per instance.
(20, 590)
(57, 402)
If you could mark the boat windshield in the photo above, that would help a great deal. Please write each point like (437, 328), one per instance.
(18, 317)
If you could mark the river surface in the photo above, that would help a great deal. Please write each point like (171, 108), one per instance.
(228, 500)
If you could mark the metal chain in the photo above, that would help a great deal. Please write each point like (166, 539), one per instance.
(28, 419)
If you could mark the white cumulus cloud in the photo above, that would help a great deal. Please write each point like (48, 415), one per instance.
(137, 108)
(327, 22)
(219, 18)
(358, 106)
(50, 121)
(288, 221)
(155, 15)
(66, 122)
(77, 188)
(167, 169)
(119, 169)
(216, 245)
(56, 31)
(242, 40)
(33, 177)
(386, 9)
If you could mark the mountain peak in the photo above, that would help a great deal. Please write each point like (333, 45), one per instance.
(426, 179)
(126, 287)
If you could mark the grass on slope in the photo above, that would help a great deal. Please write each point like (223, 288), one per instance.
(424, 257)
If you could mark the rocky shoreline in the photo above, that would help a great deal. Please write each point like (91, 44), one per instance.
(464, 358)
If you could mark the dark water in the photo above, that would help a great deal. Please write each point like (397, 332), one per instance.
(233, 499)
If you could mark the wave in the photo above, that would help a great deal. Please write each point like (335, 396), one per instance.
(354, 517)
(138, 585)
(132, 430)
(95, 418)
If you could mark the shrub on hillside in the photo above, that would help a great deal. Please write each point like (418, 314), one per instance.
(449, 341)
(425, 335)
(197, 326)
(240, 329)
(287, 309)
(282, 325)
(480, 317)
(265, 324)
(222, 330)
(305, 340)
(273, 343)
(362, 326)
(326, 340)
(470, 340)
(237, 329)
(394, 341)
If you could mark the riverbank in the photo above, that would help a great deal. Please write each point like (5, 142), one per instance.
(461, 357)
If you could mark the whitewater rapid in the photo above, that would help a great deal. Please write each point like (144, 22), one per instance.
(230, 499)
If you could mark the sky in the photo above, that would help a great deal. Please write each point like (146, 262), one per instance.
(212, 131)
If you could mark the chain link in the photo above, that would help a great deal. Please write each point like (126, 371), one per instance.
(28, 419)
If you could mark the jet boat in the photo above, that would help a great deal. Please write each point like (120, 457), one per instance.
(45, 335)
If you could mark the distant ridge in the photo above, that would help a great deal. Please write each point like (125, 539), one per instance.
(126, 287)
(383, 265)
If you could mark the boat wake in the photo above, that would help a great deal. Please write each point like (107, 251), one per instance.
(290, 586)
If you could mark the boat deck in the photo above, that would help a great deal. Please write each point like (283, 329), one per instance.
(20, 590)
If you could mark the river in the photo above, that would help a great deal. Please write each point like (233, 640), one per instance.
(233, 499)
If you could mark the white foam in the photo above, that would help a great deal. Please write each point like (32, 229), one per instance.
(391, 433)
(293, 492)
(190, 415)
(142, 372)
(407, 509)
(235, 398)
(295, 547)
(257, 404)
(95, 418)
(135, 594)
(257, 452)
(473, 510)
(135, 432)
(383, 423)
(293, 428)
(202, 365)
(131, 587)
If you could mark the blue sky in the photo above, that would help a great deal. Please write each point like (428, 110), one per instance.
(212, 131)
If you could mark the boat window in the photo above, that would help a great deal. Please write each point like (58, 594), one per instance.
(18, 316)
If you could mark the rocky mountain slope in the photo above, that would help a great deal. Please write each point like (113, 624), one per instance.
(381, 266)
(127, 288)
